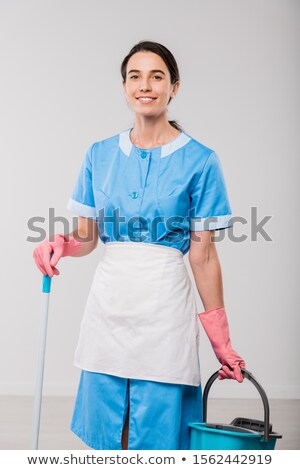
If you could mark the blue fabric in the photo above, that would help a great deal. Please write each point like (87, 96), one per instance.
(155, 195)
(159, 413)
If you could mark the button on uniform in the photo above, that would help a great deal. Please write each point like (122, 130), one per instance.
(134, 195)
(144, 154)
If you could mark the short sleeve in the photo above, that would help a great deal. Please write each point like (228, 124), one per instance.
(82, 200)
(210, 208)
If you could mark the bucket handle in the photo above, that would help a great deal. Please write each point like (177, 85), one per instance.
(261, 391)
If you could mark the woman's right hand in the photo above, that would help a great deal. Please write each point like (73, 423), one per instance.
(42, 255)
(66, 245)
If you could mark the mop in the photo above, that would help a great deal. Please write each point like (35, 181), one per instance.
(46, 288)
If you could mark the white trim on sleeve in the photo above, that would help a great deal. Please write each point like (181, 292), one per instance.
(81, 209)
(210, 223)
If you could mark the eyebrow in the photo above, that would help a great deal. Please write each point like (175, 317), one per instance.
(151, 71)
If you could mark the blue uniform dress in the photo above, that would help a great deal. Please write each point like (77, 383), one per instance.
(153, 196)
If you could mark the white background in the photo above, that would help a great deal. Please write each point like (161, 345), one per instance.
(60, 86)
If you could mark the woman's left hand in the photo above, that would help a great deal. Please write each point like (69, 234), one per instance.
(227, 372)
(216, 326)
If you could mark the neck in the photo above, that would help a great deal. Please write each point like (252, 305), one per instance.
(148, 133)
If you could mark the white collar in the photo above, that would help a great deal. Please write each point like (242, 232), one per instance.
(126, 145)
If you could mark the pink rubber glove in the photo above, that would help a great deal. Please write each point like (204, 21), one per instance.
(216, 327)
(60, 245)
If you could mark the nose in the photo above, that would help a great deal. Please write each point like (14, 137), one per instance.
(144, 84)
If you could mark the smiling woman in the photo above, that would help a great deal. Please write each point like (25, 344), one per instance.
(150, 81)
(149, 190)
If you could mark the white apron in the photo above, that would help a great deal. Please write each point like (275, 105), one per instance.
(140, 319)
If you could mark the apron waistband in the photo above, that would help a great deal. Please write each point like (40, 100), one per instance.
(146, 247)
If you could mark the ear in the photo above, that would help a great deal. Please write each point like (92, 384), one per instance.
(175, 89)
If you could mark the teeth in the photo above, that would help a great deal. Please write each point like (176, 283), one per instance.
(146, 99)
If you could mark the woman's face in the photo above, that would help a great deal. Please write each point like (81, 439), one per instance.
(148, 76)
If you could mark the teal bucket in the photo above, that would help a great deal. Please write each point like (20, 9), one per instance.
(240, 434)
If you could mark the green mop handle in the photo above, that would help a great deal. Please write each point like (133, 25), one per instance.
(46, 289)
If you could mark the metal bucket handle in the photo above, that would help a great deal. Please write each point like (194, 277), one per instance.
(261, 391)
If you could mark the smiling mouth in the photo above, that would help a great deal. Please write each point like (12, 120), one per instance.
(146, 100)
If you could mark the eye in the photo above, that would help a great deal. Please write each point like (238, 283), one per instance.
(155, 76)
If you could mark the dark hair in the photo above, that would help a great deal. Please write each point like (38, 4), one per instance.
(167, 57)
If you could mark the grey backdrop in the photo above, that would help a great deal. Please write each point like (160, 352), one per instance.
(61, 91)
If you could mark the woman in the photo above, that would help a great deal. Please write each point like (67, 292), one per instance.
(151, 193)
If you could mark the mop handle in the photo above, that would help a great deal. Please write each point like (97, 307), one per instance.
(46, 289)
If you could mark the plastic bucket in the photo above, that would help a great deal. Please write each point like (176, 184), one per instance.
(240, 434)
